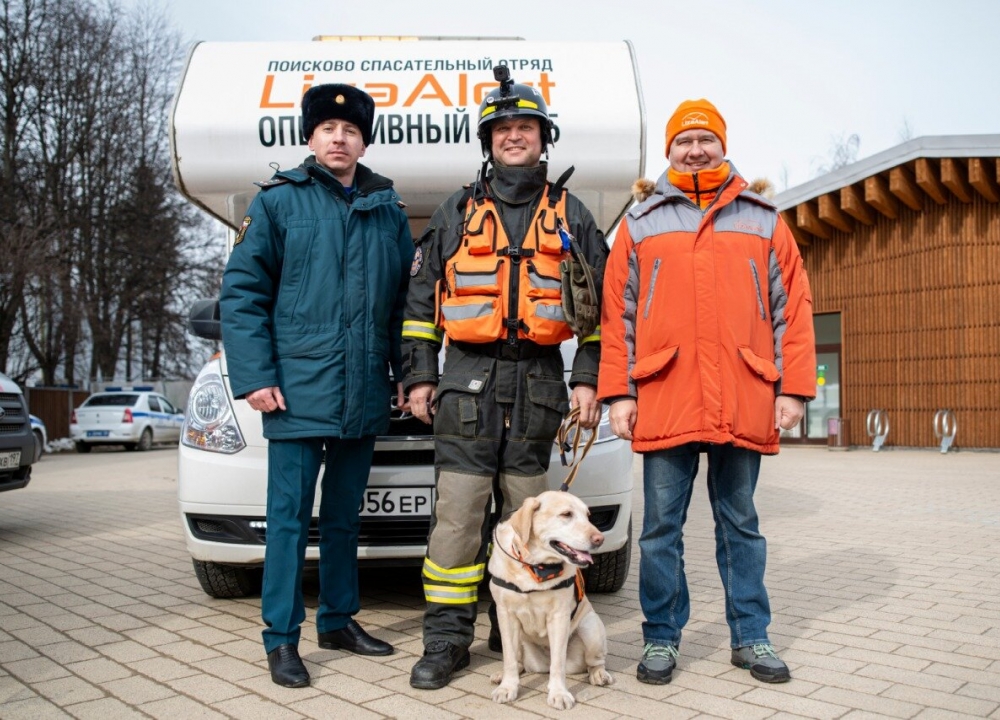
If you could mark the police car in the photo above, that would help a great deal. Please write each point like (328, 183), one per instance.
(135, 417)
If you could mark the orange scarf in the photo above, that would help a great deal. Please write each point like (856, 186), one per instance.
(701, 187)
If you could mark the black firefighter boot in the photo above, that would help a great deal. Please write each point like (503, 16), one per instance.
(441, 659)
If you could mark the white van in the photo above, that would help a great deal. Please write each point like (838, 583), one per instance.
(235, 117)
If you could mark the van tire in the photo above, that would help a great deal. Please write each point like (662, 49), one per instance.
(610, 570)
(228, 581)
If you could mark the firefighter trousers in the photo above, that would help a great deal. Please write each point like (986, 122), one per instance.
(494, 426)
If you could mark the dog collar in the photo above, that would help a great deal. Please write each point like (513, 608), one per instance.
(542, 572)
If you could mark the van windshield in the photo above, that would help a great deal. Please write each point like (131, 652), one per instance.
(118, 400)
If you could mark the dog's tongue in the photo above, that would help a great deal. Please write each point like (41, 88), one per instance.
(579, 557)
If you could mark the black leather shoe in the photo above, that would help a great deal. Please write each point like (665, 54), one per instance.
(353, 638)
(286, 667)
(435, 668)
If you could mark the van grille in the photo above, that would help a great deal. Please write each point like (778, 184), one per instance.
(408, 426)
(374, 532)
(382, 458)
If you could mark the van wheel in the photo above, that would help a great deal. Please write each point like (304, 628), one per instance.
(39, 445)
(610, 570)
(145, 440)
(228, 581)
(82, 447)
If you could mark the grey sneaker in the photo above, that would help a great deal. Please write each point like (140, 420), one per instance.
(762, 662)
(657, 664)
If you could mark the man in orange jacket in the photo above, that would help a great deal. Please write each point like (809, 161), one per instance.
(707, 347)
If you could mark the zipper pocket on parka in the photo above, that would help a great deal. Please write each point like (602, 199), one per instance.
(652, 288)
(756, 284)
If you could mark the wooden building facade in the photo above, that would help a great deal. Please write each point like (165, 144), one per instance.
(903, 256)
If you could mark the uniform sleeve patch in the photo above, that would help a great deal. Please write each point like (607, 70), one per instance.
(418, 261)
(243, 229)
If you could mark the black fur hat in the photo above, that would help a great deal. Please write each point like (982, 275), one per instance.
(336, 101)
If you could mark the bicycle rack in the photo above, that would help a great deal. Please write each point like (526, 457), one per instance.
(945, 428)
(878, 427)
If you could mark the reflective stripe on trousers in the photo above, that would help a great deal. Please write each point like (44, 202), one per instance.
(456, 552)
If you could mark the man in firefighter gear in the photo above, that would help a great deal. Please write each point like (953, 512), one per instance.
(486, 276)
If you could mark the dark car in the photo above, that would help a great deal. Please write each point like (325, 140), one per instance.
(17, 441)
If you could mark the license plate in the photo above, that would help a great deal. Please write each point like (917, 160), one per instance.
(397, 502)
(97, 433)
(11, 460)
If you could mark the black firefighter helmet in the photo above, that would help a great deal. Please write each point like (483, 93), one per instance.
(511, 100)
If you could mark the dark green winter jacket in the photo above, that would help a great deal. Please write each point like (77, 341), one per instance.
(312, 301)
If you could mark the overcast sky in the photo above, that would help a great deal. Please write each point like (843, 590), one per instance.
(789, 76)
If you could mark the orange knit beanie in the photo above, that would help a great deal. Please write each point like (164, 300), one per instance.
(696, 115)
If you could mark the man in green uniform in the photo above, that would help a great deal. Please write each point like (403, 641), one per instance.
(312, 310)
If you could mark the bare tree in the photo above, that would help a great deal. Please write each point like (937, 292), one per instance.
(99, 251)
(905, 131)
(843, 151)
(783, 177)
(22, 230)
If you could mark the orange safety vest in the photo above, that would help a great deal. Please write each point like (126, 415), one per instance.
(494, 291)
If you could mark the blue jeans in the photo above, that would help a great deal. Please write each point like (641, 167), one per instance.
(740, 549)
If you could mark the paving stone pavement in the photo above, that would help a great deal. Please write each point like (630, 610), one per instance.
(883, 575)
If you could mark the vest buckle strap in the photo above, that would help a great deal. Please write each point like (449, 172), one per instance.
(515, 253)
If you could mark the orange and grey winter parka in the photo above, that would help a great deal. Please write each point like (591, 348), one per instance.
(707, 317)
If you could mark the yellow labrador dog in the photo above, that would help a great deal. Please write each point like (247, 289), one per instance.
(546, 621)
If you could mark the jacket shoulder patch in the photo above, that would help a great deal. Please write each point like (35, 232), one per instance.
(243, 230)
(418, 261)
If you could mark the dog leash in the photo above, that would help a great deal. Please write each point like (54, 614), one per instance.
(571, 426)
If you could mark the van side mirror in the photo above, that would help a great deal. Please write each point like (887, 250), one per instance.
(205, 321)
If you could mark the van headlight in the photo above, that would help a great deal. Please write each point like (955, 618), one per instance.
(604, 433)
(604, 426)
(209, 422)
